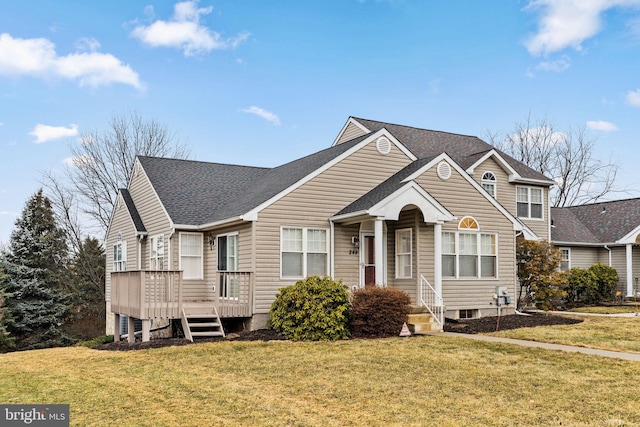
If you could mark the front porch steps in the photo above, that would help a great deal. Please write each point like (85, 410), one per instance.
(201, 321)
(421, 322)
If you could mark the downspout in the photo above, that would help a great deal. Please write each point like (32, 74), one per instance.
(609, 249)
(173, 231)
(332, 246)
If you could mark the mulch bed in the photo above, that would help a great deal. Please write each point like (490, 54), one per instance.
(491, 324)
(467, 326)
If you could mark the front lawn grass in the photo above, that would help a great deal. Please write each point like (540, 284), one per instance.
(606, 333)
(417, 381)
(614, 309)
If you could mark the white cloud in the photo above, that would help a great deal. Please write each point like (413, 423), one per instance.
(566, 24)
(44, 133)
(633, 97)
(602, 125)
(557, 66)
(267, 115)
(37, 57)
(184, 31)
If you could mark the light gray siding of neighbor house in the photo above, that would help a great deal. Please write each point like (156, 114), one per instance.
(582, 257)
(506, 195)
(462, 199)
(310, 205)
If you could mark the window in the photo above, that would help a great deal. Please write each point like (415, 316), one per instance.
(303, 252)
(403, 254)
(157, 253)
(120, 256)
(565, 259)
(489, 183)
(227, 265)
(191, 256)
(466, 314)
(469, 255)
(529, 202)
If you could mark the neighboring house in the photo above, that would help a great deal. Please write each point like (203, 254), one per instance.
(432, 213)
(606, 232)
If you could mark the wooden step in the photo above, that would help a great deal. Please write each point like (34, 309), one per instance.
(207, 334)
(200, 320)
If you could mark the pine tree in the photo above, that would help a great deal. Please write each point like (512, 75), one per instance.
(37, 278)
(6, 340)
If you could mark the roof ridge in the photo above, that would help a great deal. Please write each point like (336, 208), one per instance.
(204, 162)
(418, 128)
(597, 203)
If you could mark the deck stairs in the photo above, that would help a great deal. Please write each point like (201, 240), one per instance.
(201, 321)
(421, 322)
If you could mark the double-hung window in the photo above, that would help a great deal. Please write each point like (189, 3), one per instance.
(565, 259)
(489, 183)
(156, 253)
(191, 256)
(529, 202)
(404, 261)
(303, 252)
(120, 256)
(468, 253)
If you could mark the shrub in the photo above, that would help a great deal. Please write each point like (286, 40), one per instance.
(95, 342)
(378, 312)
(581, 286)
(606, 279)
(316, 308)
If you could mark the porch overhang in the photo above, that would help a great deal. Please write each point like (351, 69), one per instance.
(389, 207)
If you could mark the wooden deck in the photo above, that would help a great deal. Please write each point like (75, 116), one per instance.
(158, 294)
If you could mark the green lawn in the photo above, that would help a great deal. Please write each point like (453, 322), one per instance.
(413, 381)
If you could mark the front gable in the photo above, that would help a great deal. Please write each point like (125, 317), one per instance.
(352, 129)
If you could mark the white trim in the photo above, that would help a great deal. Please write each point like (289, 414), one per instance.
(152, 240)
(499, 160)
(137, 163)
(630, 237)
(371, 138)
(517, 224)
(120, 199)
(390, 207)
(629, 268)
(353, 121)
(530, 203)
(493, 182)
(568, 260)
(478, 254)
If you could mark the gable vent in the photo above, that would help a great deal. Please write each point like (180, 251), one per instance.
(383, 145)
(444, 171)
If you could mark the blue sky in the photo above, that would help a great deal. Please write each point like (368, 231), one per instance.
(262, 83)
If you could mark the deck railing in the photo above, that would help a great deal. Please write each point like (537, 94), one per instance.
(430, 299)
(149, 294)
(235, 291)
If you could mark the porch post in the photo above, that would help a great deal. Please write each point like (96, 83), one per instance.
(116, 327)
(437, 262)
(629, 269)
(131, 330)
(146, 328)
(378, 250)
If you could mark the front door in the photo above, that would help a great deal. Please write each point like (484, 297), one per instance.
(368, 275)
(228, 265)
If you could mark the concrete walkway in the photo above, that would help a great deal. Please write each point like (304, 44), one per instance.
(546, 346)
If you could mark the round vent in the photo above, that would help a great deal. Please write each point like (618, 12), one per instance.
(444, 170)
(383, 145)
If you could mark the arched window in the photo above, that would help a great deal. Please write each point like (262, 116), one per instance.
(468, 223)
(489, 183)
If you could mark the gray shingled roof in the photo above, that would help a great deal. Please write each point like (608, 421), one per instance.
(133, 212)
(197, 193)
(385, 189)
(463, 149)
(605, 222)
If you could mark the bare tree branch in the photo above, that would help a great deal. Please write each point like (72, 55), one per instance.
(566, 158)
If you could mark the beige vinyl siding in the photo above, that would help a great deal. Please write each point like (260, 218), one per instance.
(408, 219)
(121, 223)
(311, 205)
(462, 199)
(506, 196)
(619, 262)
(582, 257)
(347, 257)
(352, 131)
(198, 290)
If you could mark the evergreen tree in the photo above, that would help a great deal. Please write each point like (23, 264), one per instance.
(6, 340)
(37, 278)
(88, 303)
